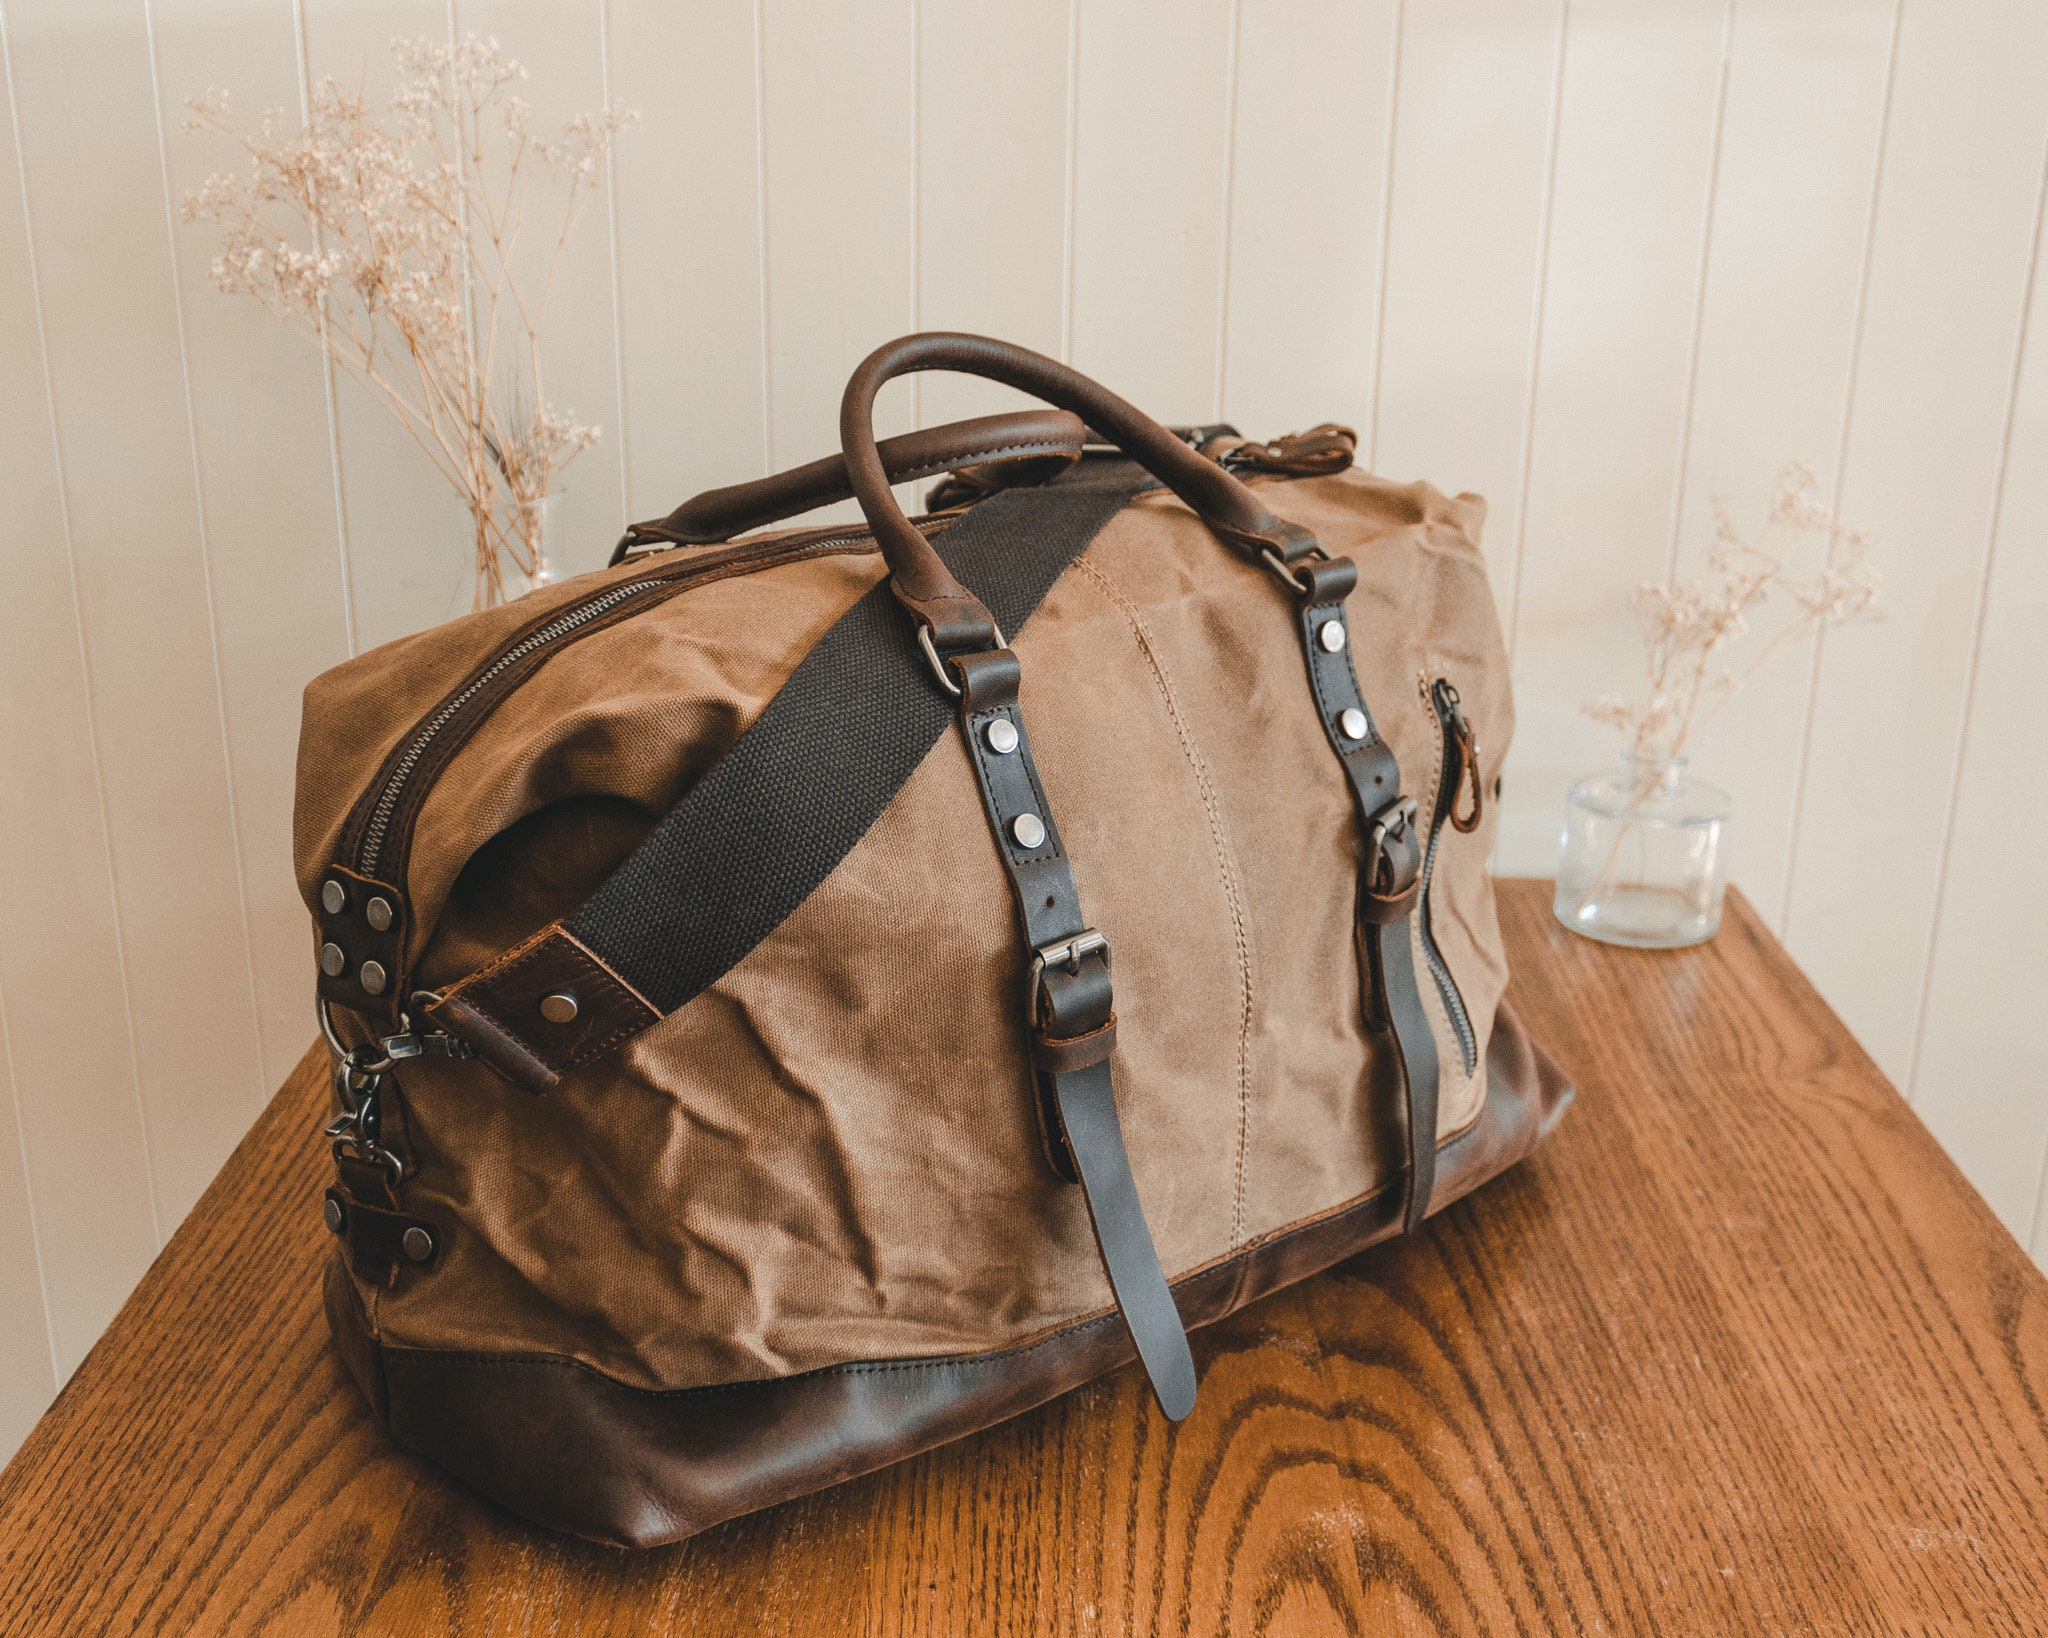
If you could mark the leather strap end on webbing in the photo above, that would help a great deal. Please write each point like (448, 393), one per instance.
(545, 1007)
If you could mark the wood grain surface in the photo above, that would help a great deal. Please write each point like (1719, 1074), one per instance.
(1737, 1352)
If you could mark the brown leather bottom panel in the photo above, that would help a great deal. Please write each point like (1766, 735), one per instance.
(570, 1448)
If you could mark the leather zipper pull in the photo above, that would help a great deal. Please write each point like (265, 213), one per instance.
(1450, 708)
(1312, 454)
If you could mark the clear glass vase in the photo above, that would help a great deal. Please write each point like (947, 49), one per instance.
(543, 534)
(1641, 861)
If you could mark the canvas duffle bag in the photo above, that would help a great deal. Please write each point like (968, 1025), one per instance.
(802, 996)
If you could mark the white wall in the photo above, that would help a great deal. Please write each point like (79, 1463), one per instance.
(1597, 260)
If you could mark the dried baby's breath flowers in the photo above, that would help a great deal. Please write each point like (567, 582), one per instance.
(391, 240)
(1688, 628)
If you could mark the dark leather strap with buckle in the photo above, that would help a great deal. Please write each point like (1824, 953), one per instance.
(1071, 1018)
(1390, 873)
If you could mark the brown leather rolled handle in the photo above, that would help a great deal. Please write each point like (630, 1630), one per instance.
(1027, 446)
(952, 615)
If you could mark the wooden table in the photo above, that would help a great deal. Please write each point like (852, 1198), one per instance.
(1738, 1352)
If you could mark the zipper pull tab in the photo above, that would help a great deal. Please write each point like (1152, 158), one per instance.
(1449, 707)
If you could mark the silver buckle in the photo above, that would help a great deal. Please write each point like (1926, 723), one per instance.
(1390, 822)
(1068, 953)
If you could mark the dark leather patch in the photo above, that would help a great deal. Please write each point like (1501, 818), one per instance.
(376, 1239)
(366, 1186)
(542, 1009)
(351, 931)
(640, 1468)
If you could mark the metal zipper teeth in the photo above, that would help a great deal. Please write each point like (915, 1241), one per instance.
(561, 626)
(1454, 1003)
(387, 799)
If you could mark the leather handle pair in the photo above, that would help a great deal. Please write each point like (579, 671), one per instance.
(953, 616)
(1027, 447)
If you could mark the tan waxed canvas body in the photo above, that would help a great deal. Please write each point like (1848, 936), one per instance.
(830, 1161)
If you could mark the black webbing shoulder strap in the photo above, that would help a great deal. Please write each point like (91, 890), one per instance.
(775, 815)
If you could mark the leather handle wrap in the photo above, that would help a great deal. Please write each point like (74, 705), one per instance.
(921, 581)
(1029, 445)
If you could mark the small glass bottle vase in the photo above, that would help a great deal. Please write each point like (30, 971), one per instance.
(540, 533)
(1642, 862)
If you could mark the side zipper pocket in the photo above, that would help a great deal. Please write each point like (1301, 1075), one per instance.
(1461, 767)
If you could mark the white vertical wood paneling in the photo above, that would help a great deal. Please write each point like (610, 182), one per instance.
(1638, 117)
(278, 589)
(1777, 327)
(1475, 135)
(409, 555)
(1981, 1076)
(75, 1110)
(690, 248)
(1955, 229)
(1595, 259)
(1151, 175)
(992, 165)
(841, 183)
(101, 240)
(28, 1369)
(1308, 196)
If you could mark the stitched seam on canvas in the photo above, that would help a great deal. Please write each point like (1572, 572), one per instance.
(1226, 869)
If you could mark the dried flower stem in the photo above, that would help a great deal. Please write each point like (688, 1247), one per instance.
(1687, 627)
(392, 243)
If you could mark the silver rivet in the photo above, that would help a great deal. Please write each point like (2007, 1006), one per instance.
(1353, 723)
(1332, 636)
(372, 977)
(559, 1007)
(337, 1219)
(332, 960)
(1001, 736)
(378, 914)
(418, 1244)
(333, 896)
(1029, 829)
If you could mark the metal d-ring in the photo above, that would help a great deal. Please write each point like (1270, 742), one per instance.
(931, 654)
(334, 1043)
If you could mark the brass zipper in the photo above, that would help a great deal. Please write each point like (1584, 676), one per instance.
(1460, 755)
